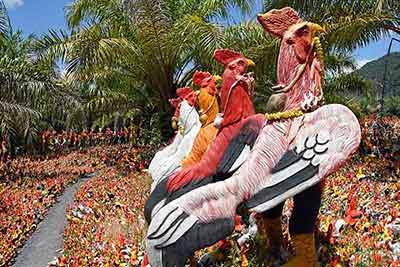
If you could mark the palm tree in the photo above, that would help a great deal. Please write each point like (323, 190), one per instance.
(133, 54)
(14, 100)
(146, 48)
(155, 43)
(5, 25)
(30, 90)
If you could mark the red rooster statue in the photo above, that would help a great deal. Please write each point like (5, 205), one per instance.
(237, 133)
(298, 147)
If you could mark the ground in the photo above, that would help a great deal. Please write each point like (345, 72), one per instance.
(47, 240)
(359, 224)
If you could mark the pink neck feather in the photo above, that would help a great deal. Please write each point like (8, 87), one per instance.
(287, 70)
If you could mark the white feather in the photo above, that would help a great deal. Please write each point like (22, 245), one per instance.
(166, 163)
(242, 158)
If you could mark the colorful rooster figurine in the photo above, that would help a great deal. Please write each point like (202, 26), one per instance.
(237, 133)
(299, 145)
(208, 104)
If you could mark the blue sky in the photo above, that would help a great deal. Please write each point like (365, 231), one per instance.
(37, 16)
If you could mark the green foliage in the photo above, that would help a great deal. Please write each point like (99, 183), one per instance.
(153, 43)
(5, 25)
(392, 106)
(351, 90)
(31, 94)
(349, 24)
(123, 59)
(139, 52)
(374, 71)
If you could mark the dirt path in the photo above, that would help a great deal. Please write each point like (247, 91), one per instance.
(47, 241)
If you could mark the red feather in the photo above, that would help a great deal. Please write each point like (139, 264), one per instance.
(239, 106)
(209, 162)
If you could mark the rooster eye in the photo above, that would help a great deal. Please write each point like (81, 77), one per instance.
(289, 41)
(232, 67)
(302, 31)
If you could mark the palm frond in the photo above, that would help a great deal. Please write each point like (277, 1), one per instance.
(339, 62)
(99, 11)
(5, 24)
(223, 8)
(7, 107)
(347, 83)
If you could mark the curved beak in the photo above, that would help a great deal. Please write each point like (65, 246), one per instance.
(217, 78)
(250, 63)
(316, 27)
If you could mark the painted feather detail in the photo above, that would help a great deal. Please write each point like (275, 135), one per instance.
(224, 151)
(173, 222)
(295, 167)
(236, 152)
(310, 149)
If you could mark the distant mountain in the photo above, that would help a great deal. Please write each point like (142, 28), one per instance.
(374, 71)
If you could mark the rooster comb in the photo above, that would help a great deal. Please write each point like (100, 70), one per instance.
(278, 21)
(199, 76)
(174, 102)
(184, 92)
(226, 56)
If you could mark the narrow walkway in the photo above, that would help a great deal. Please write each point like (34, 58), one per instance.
(47, 241)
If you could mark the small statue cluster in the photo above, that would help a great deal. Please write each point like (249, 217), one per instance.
(381, 137)
(64, 139)
(57, 141)
(227, 159)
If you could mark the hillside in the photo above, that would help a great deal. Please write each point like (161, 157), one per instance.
(374, 71)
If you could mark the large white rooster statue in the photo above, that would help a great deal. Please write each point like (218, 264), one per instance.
(301, 143)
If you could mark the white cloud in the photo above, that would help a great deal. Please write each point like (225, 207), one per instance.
(13, 3)
(361, 62)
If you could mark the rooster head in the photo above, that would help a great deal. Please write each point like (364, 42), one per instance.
(205, 80)
(206, 97)
(236, 104)
(235, 63)
(174, 102)
(185, 93)
(235, 67)
(300, 64)
(288, 26)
